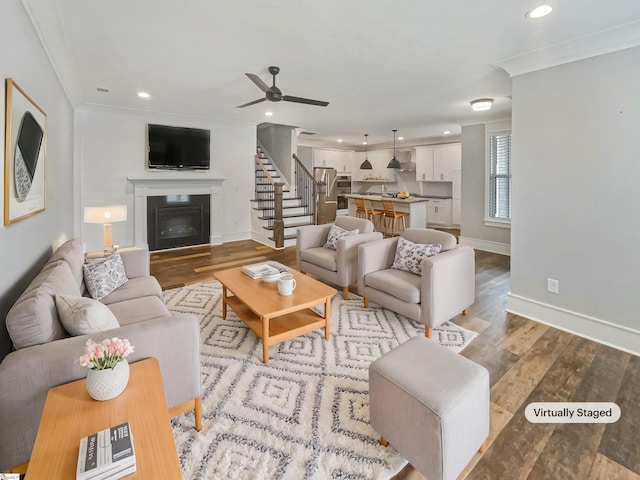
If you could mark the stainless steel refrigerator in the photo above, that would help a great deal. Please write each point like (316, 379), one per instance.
(326, 211)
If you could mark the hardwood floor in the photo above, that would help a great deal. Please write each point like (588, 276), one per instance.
(528, 362)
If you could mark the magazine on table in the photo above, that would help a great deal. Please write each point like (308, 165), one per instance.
(107, 455)
(256, 270)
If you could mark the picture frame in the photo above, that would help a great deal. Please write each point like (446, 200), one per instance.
(24, 155)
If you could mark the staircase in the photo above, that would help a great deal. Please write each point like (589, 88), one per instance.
(296, 212)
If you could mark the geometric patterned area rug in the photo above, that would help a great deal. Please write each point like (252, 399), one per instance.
(305, 414)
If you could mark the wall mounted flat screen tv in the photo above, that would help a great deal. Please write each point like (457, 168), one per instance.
(178, 148)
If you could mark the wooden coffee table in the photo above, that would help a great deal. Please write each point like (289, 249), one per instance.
(71, 414)
(271, 316)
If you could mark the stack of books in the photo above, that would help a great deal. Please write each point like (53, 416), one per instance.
(107, 455)
(256, 270)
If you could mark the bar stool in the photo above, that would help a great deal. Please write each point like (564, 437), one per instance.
(361, 211)
(372, 214)
(390, 216)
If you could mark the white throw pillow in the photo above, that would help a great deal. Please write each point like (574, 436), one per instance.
(83, 315)
(409, 255)
(103, 275)
(336, 233)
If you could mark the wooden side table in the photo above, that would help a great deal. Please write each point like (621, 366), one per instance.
(71, 414)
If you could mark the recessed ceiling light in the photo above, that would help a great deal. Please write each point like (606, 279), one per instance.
(446, 132)
(400, 138)
(481, 104)
(539, 12)
(364, 143)
(268, 114)
(144, 95)
(339, 140)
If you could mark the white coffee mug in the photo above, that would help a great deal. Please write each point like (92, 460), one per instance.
(286, 284)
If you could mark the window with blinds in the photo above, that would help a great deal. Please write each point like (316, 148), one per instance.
(500, 177)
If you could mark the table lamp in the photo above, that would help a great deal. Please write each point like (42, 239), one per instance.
(106, 216)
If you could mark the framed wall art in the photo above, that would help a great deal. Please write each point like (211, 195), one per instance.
(24, 155)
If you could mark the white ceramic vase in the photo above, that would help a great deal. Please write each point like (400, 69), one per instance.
(109, 383)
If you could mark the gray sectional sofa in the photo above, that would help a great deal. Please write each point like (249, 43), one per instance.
(45, 356)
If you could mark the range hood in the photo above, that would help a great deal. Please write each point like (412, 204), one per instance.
(407, 167)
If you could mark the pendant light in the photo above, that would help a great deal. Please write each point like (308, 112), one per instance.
(366, 165)
(394, 163)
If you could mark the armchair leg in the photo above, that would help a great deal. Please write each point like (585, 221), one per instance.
(465, 311)
(428, 331)
(345, 293)
(366, 303)
(383, 441)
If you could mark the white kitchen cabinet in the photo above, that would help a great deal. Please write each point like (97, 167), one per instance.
(424, 163)
(439, 212)
(456, 192)
(446, 159)
(341, 160)
(436, 163)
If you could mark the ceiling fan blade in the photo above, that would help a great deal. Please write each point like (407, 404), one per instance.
(258, 81)
(251, 103)
(289, 98)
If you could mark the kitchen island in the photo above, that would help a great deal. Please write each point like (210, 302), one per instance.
(414, 206)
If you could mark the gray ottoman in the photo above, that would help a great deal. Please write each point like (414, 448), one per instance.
(431, 405)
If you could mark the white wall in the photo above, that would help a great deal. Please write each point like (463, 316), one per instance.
(473, 231)
(111, 147)
(576, 173)
(25, 245)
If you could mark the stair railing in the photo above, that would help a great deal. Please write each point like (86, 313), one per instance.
(312, 191)
(271, 202)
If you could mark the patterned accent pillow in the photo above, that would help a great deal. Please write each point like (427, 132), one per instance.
(82, 315)
(336, 233)
(409, 255)
(103, 275)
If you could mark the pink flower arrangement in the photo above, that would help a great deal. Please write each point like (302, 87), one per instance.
(106, 354)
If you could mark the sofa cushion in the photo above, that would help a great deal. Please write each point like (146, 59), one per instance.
(138, 310)
(398, 283)
(320, 256)
(337, 233)
(134, 288)
(103, 275)
(82, 315)
(409, 255)
(71, 252)
(33, 319)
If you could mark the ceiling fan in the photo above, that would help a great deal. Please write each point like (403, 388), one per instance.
(274, 94)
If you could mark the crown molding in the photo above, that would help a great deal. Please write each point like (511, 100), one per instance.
(599, 43)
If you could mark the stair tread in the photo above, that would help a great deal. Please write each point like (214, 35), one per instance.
(300, 224)
(293, 215)
(286, 237)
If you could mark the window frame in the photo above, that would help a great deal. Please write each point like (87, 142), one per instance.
(488, 220)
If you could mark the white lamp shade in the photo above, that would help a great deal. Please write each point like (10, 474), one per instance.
(109, 214)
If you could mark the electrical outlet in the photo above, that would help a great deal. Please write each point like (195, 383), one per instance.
(552, 285)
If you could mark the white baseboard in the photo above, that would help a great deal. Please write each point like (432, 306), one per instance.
(486, 245)
(601, 331)
(236, 236)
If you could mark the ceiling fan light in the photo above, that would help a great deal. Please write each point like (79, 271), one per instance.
(481, 104)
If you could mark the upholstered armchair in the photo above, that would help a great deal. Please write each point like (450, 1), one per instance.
(443, 287)
(337, 265)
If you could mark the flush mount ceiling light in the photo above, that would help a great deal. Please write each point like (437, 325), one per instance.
(481, 104)
(394, 163)
(366, 165)
(144, 95)
(539, 12)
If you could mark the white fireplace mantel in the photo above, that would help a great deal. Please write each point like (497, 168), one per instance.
(175, 183)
